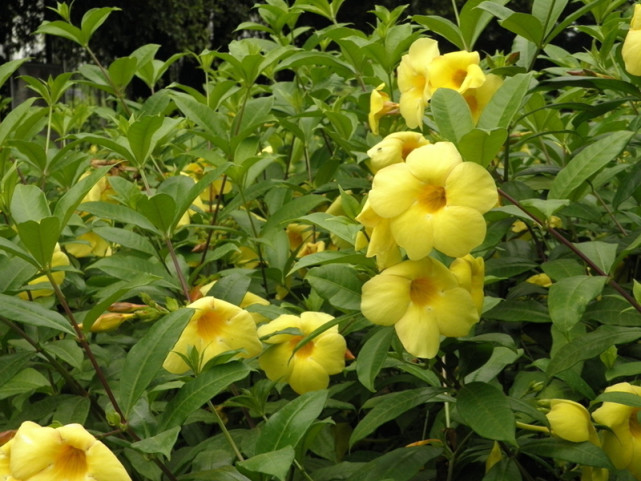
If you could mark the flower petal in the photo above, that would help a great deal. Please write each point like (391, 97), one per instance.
(307, 375)
(432, 163)
(103, 465)
(385, 298)
(329, 351)
(413, 230)
(394, 190)
(455, 312)
(34, 449)
(275, 361)
(418, 332)
(470, 185)
(457, 230)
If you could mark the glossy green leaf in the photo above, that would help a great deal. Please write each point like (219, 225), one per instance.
(93, 19)
(126, 238)
(588, 162)
(70, 200)
(121, 71)
(340, 226)
(197, 392)
(141, 136)
(401, 464)
(388, 407)
(8, 68)
(487, 411)
(339, 284)
(29, 204)
(482, 146)
(590, 345)
(40, 238)
(569, 297)
(443, 27)
(601, 253)
(505, 103)
(451, 114)
(290, 423)
(585, 453)
(372, 356)
(625, 398)
(160, 210)
(473, 21)
(119, 213)
(33, 314)
(161, 443)
(26, 381)
(13, 363)
(275, 463)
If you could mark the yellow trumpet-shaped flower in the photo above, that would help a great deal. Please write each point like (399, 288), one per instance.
(67, 453)
(622, 442)
(423, 300)
(434, 200)
(309, 368)
(381, 242)
(631, 51)
(249, 299)
(58, 259)
(477, 98)
(215, 327)
(470, 274)
(458, 71)
(542, 280)
(379, 106)
(394, 149)
(569, 420)
(413, 80)
(88, 244)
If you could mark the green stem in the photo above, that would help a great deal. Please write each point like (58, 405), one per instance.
(558, 236)
(302, 470)
(179, 272)
(214, 219)
(226, 433)
(259, 251)
(117, 91)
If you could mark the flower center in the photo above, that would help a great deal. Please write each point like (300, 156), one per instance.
(422, 291)
(210, 325)
(432, 198)
(71, 464)
(304, 351)
(459, 77)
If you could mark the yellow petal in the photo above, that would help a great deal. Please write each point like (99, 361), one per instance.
(394, 149)
(385, 298)
(470, 185)
(275, 361)
(458, 230)
(329, 351)
(413, 230)
(307, 375)
(478, 98)
(34, 449)
(394, 190)
(103, 465)
(631, 52)
(418, 332)
(282, 322)
(569, 420)
(456, 70)
(432, 164)
(455, 312)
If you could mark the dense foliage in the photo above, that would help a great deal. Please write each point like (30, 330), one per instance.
(351, 254)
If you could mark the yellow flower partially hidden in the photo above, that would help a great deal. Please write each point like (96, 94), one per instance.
(477, 98)
(381, 242)
(215, 327)
(631, 51)
(423, 300)
(58, 259)
(67, 453)
(379, 106)
(413, 80)
(569, 420)
(470, 274)
(310, 367)
(458, 71)
(542, 280)
(434, 200)
(249, 299)
(622, 442)
(394, 149)
(88, 244)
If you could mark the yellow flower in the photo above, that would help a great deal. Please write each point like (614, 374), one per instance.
(299, 234)
(196, 170)
(110, 320)
(434, 200)
(5, 458)
(542, 280)
(101, 191)
(310, 248)
(249, 299)
(379, 106)
(186, 217)
(470, 274)
(413, 80)
(381, 242)
(458, 71)
(477, 98)
(631, 51)
(88, 244)
(67, 453)
(310, 367)
(423, 300)
(215, 327)
(622, 442)
(569, 420)
(394, 149)
(518, 226)
(58, 259)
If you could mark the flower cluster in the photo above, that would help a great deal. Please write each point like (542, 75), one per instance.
(620, 438)
(64, 453)
(424, 197)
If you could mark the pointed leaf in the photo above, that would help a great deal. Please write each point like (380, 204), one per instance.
(569, 297)
(33, 314)
(451, 114)
(372, 356)
(487, 411)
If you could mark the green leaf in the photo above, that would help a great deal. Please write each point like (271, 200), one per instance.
(119, 213)
(288, 426)
(501, 358)
(340, 226)
(26, 381)
(401, 464)
(146, 357)
(451, 114)
(18, 116)
(329, 257)
(586, 453)
(625, 398)
(121, 71)
(473, 21)
(481, 146)
(7, 69)
(548, 12)
(13, 363)
(590, 345)
(274, 463)
(487, 411)
(293, 210)
(29, 203)
(162, 443)
(525, 25)
(588, 162)
(601, 253)
(126, 238)
(197, 392)
(40, 238)
(62, 29)
(372, 356)
(33, 314)
(569, 298)
(92, 19)
(140, 135)
(17, 251)
(68, 203)
(505, 103)
(388, 407)
(519, 311)
(160, 210)
(443, 27)
(339, 284)
(231, 288)
(424, 373)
